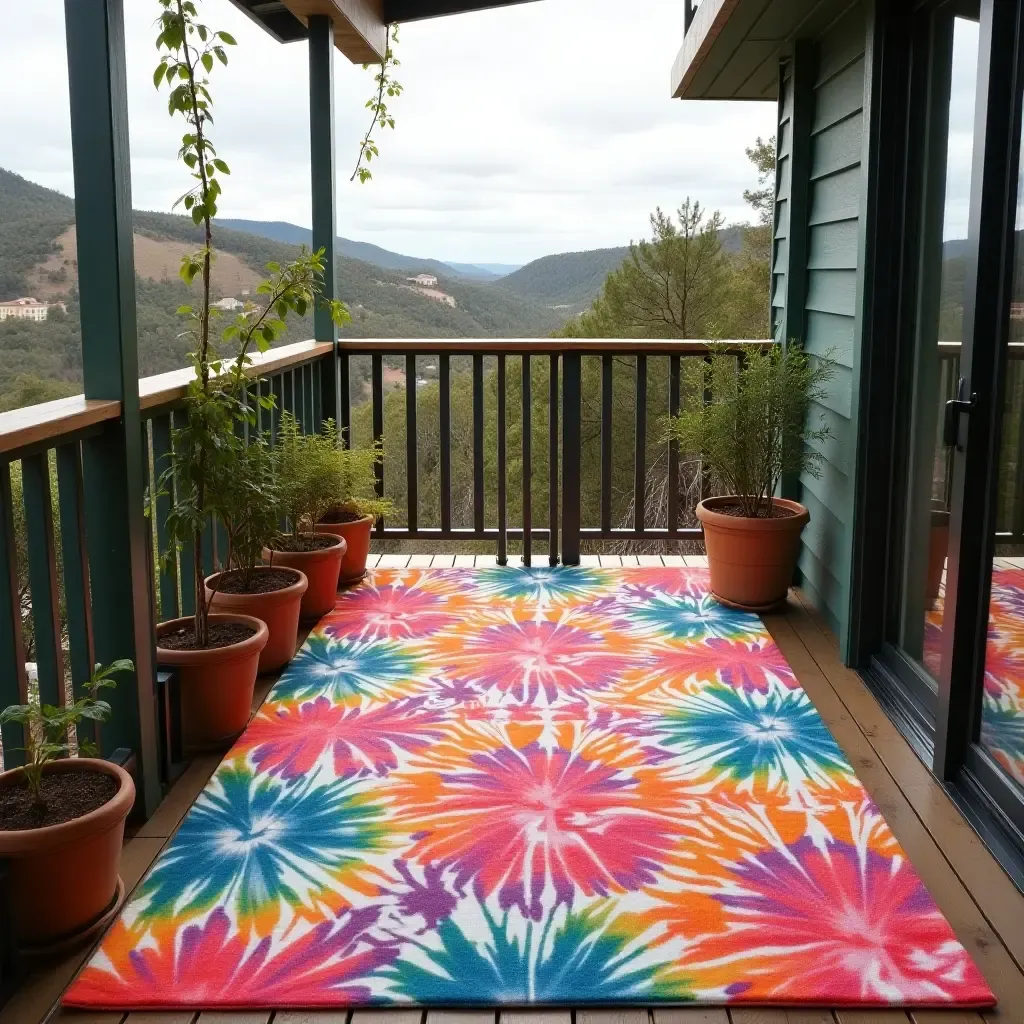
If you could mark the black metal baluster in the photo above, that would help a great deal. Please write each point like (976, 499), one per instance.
(571, 415)
(553, 459)
(42, 574)
(640, 475)
(527, 463)
(607, 369)
(277, 390)
(673, 446)
(478, 443)
(13, 680)
(502, 538)
(445, 428)
(345, 384)
(161, 509)
(705, 484)
(377, 400)
(411, 450)
(71, 500)
(186, 556)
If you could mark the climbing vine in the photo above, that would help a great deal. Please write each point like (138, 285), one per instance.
(387, 88)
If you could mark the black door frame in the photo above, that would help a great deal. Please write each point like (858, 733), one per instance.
(946, 735)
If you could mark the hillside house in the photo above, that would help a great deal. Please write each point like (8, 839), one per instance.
(424, 280)
(27, 308)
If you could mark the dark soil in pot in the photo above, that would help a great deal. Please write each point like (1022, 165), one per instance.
(65, 797)
(735, 509)
(266, 581)
(305, 542)
(337, 514)
(222, 634)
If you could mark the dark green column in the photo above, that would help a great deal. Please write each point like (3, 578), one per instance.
(321, 159)
(114, 489)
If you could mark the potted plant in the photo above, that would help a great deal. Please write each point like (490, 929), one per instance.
(217, 654)
(246, 497)
(354, 508)
(309, 468)
(754, 431)
(62, 823)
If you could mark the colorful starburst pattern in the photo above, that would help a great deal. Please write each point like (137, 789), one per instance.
(550, 786)
(1002, 703)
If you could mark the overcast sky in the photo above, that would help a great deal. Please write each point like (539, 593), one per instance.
(544, 127)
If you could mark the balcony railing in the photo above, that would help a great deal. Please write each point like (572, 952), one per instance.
(537, 447)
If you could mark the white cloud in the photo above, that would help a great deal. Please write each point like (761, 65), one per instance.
(534, 129)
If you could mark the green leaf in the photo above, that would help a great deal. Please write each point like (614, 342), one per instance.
(227, 38)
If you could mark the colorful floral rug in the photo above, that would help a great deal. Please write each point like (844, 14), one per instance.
(514, 787)
(1002, 703)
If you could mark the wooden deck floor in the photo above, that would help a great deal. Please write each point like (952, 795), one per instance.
(977, 897)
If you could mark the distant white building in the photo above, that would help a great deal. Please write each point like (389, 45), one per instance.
(228, 305)
(424, 280)
(27, 308)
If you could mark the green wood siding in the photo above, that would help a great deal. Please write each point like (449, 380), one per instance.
(822, 90)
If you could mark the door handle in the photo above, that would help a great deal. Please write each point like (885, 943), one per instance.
(953, 410)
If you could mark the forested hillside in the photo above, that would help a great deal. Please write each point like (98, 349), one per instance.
(39, 361)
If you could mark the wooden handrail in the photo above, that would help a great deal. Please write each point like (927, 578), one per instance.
(166, 388)
(513, 346)
(22, 428)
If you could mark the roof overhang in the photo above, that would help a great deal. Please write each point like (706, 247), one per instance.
(731, 49)
(360, 26)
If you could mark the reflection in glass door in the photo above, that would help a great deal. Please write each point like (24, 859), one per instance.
(1002, 699)
(935, 366)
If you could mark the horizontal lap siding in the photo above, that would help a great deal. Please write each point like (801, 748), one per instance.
(834, 206)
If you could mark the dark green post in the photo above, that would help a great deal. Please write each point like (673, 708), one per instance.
(114, 492)
(321, 159)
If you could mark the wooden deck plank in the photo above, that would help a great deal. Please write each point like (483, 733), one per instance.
(420, 561)
(764, 1015)
(953, 899)
(372, 559)
(464, 561)
(696, 561)
(442, 561)
(311, 1017)
(486, 561)
(235, 1017)
(387, 1016)
(630, 561)
(461, 1017)
(535, 1017)
(590, 561)
(393, 561)
(160, 1017)
(692, 1015)
(183, 793)
(871, 1016)
(809, 1016)
(590, 1016)
(673, 561)
(650, 560)
(946, 1017)
(611, 561)
(85, 1017)
(977, 869)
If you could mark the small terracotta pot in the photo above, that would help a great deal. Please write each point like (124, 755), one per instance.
(321, 568)
(279, 609)
(357, 536)
(63, 878)
(216, 684)
(751, 560)
(938, 545)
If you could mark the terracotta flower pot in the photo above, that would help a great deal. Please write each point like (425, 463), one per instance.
(751, 560)
(357, 536)
(63, 878)
(279, 609)
(216, 684)
(321, 568)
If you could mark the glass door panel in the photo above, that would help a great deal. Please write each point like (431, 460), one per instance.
(935, 369)
(1002, 699)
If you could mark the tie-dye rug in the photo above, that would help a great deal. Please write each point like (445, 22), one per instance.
(1002, 703)
(514, 787)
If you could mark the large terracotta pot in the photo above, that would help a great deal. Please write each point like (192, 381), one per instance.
(321, 568)
(63, 878)
(279, 609)
(357, 537)
(216, 685)
(751, 560)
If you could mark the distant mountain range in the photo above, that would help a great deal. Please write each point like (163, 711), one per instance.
(282, 231)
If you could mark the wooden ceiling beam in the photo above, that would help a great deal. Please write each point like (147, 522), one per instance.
(360, 31)
(415, 10)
